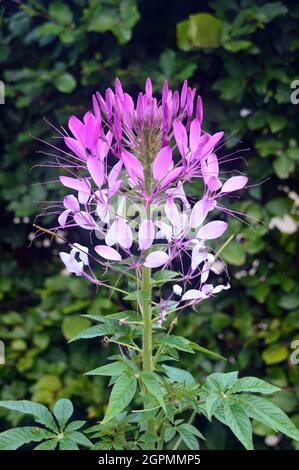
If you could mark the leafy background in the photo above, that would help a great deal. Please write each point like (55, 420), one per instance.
(243, 57)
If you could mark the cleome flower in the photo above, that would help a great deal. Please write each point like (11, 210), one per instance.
(127, 164)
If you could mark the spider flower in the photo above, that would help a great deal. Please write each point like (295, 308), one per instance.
(129, 157)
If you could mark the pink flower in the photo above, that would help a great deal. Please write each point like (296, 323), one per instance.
(136, 156)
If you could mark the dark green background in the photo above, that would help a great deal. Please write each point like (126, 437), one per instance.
(53, 56)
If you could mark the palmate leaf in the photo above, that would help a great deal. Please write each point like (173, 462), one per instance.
(212, 402)
(253, 385)
(219, 382)
(47, 445)
(94, 331)
(189, 435)
(74, 425)
(176, 342)
(63, 410)
(175, 374)
(122, 394)
(153, 385)
(15, 438)
(115, 368)
(206, 351)
(269, 414)
(183, 344)
(40, 412)
(79, 438)
(67, 444)
(238, 421)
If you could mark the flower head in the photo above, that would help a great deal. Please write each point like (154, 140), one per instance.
(127, 163)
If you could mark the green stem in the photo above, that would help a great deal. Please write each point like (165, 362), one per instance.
(146, 287)
(179, 440)
(147, 320)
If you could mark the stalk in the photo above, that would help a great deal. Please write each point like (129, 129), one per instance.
(147, 320)
(146, 287)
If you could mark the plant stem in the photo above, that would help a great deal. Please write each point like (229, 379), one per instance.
(179, 440)
(146, 286)
(147, 320)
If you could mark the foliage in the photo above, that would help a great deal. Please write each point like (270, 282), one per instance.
(57, 430)
(53, 56)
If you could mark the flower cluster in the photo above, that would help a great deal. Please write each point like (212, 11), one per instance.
(125, 159)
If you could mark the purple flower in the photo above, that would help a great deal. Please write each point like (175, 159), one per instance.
(126, 163)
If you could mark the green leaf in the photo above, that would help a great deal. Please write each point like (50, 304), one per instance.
(161, 277)
(186, 431)
(40, 412)
(65, 82)
(179, 375)
(94, 331)
(154, 387)
(79, 438)
(73, 325)
(253, 385)
(47, 445)
(182, 34)
(60, 12)
(204, 30)
(206, 351)
(234, 253)
(63, 410)
(115, 368)
(137, 294)
(221, 382)
(283, 166)
(269, 414)
(122, 394)
(237, 420)
(236, 46)
(67, 444)
(15, 438)
(74, 425)
(212, 402)
(177, 342)
(271, 10)
(275, 353)
(169, 434)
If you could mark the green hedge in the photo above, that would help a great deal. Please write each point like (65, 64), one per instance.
(54, 55)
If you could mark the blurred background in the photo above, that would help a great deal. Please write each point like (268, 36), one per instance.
(243, 57)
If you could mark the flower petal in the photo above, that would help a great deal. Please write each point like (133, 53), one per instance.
(234, 183)
(75, 183)
(77, 128)
(180, 136)
(84, 220)
(198, 256)
(63, 218)
(76, 147)
(172, 175)
(165, 229)
(71, 202)
(212, 230)
(71, 264)
(172, 212)
(199, 212)
(162, 164)
(146, 234)
(107, 252)
(156, 259)
(133, 166)
(96, 170)
(195, 131)
(193, 294)
(212, 142)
